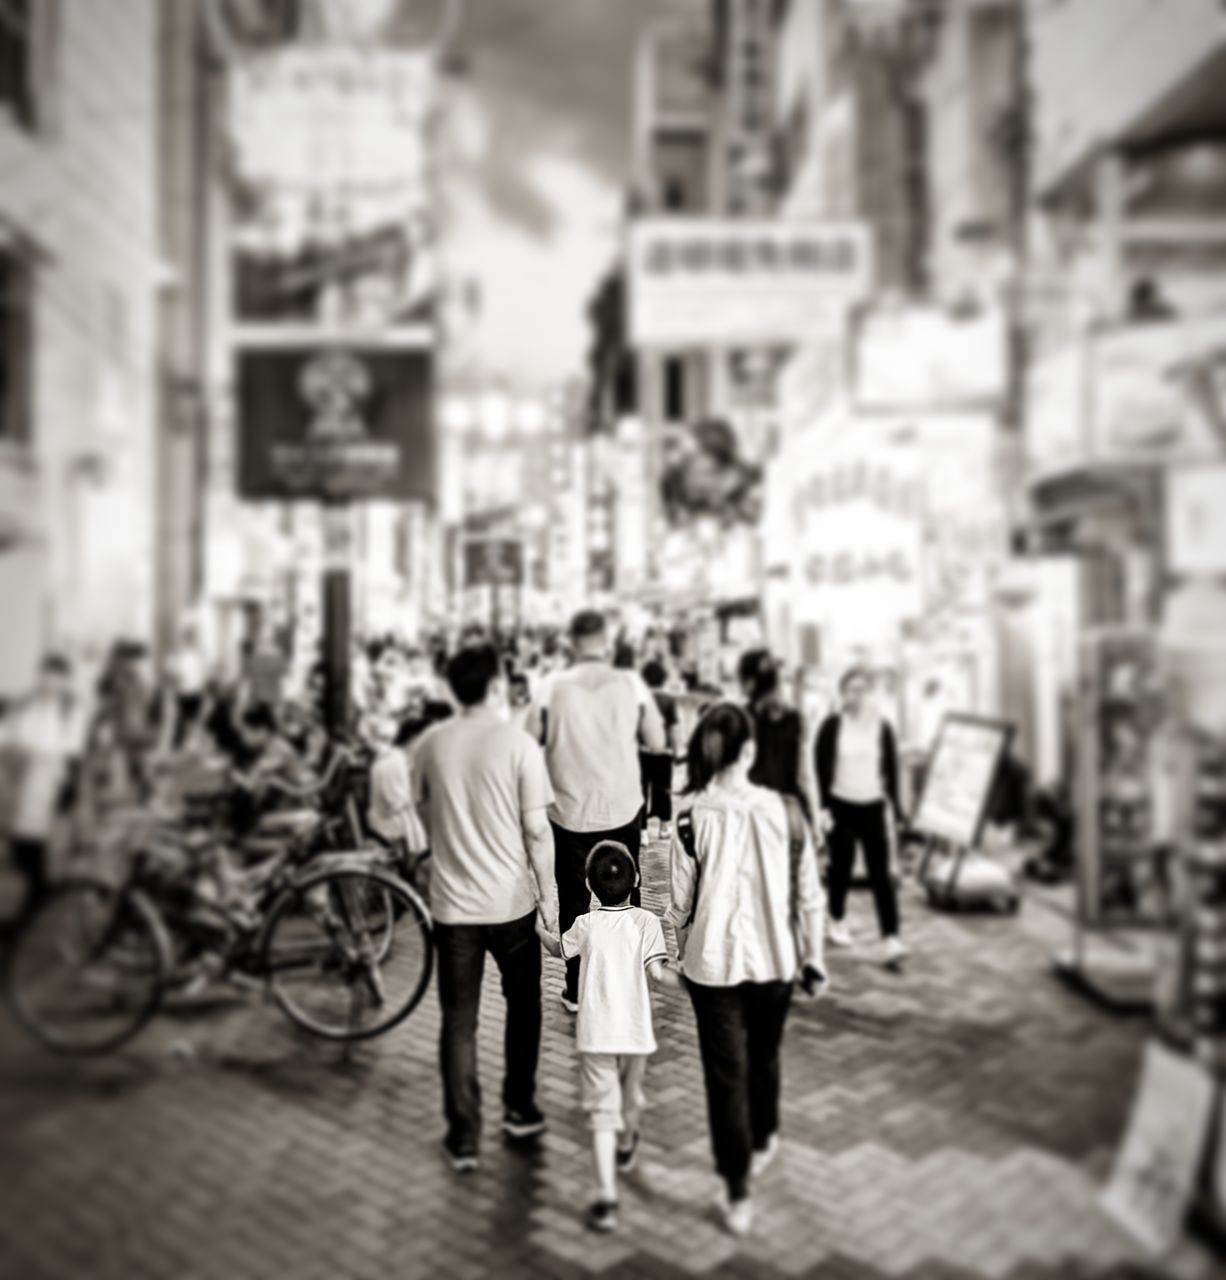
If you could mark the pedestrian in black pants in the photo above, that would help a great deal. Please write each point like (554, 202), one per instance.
(747, 906)
(657, 766)
(484, 792)
(591, 720)
(857, 772)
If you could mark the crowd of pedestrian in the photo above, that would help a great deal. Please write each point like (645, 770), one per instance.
(535, 825)
(527, 768)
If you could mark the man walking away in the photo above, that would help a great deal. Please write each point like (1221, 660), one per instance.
(592, 721)
(484, 792)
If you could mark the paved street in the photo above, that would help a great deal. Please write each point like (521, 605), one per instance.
(956, 1121)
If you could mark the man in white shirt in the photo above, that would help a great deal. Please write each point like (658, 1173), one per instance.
(484, 792)
(44, 738)
(591, 720)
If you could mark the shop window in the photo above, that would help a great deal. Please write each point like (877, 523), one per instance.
(15, 348)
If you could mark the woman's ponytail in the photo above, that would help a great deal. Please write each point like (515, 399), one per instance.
(716, 743)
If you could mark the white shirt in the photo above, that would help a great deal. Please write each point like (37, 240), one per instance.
(857, 765)
(615, 945)
(392, 812)
(477, 776)
(46, 733)
(742, 928)
(592, 715)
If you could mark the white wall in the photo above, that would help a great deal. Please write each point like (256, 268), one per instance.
(83, 189)
(1097, 65)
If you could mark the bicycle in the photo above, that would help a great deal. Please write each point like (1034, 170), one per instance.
(342, 945)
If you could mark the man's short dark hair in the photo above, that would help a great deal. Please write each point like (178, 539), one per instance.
(587, 622)
(611, 872)
(471, 672)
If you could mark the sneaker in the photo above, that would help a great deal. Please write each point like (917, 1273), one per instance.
(738, 1216)
(523, 1124)
(666, 831)
(762, 1160)
(627, 1159)
(463, 1159)
(571, 1006)
(602, 1215)
(896, 951)
(840, 934)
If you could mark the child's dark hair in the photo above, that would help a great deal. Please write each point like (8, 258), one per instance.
(716, 743)
(611, 872)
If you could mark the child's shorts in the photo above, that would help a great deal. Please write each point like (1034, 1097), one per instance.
(612, 1090)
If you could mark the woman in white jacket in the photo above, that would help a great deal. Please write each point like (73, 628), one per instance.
(748, 908)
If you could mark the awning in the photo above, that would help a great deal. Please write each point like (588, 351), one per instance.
(1084, 507)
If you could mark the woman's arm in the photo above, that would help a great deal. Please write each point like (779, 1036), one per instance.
(683, 878)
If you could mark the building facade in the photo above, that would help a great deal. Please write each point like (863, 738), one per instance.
(80, 275)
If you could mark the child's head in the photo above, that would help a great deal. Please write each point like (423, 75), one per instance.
(611, 873)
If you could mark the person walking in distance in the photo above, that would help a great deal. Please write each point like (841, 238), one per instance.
(592, 720)
(483, 790)
(857, 770)
(657, 767)
(747, 906)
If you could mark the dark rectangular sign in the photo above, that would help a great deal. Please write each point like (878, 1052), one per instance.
(336, 423)
(494, 562)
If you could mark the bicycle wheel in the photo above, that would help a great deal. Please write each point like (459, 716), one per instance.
(348, 952)
(85, 971)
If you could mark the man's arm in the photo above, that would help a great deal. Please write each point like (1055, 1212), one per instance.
(538, 838)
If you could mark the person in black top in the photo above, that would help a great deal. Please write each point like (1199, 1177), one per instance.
(778, 730)
(657, 766)
(857, 776)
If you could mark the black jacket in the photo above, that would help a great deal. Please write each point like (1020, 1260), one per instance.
(827, 752)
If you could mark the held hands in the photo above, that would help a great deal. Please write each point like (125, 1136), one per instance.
(547, 928)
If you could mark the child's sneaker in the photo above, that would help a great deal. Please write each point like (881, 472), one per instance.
(627, 1159)
(463, 1159)
(571, 1006)
(602, 1215)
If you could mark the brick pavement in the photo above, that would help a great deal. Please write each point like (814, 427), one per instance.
(953, 1122)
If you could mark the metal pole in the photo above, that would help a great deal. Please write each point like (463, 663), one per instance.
(337, 614)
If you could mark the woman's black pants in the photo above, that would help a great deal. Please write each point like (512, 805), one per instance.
(863, 825)
(740, 1031)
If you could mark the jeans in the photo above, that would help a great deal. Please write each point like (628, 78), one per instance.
(571, 849)
(862, 824)
(657, 771)
(461, 964)
(740, 1031)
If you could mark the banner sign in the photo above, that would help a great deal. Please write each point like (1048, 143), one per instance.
(958, 782)
(710, 282)
(494, 562)
(335, 423)
(1155, 1170)
(857, 511)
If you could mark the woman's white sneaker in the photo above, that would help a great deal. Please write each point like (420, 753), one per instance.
(762, 1160)
(839, 934)
(738, 1217)
(896, 951)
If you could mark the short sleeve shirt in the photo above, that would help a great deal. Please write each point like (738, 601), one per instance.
(615, 945)
(477, 776)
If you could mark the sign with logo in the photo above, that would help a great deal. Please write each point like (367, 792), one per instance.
(335, 423)
(494, 562)
(709, 282)
(958, 782)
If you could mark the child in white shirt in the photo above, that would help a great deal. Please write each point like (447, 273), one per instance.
(618, 946)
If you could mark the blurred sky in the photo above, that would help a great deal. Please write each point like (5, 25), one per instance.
(541, 135)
